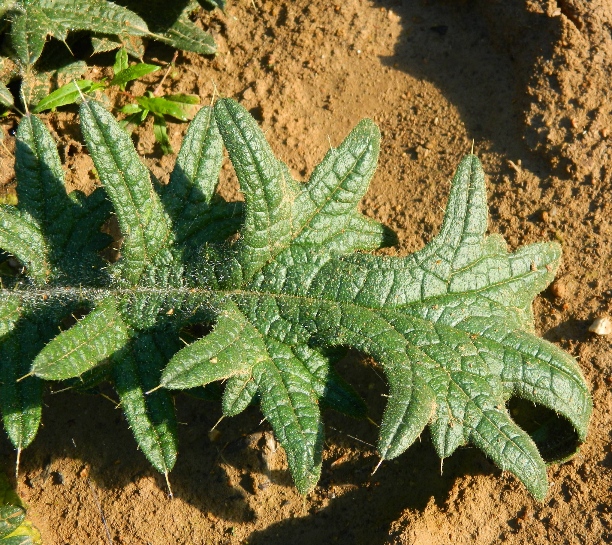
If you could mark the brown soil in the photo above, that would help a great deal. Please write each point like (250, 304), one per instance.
(528, 83)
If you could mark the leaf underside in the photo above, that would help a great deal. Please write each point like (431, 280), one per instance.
(283, 281)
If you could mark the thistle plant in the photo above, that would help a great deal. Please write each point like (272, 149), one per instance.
(285, 281)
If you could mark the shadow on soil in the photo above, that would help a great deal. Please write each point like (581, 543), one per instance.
(348, 506)
(480, 55)
(448, 44)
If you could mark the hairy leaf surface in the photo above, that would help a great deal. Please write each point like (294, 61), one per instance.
(282, 284)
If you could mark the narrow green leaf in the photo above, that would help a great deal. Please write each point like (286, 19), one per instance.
(511, 449)
(121, 61)
(130, 109)
(232, 346)
(42, 194)
(410, 408)
(85, 345)
(328, 203)
(290, 406)
(161, 133)
(66, 94)
(20, 400)
(187, 198)
(22, 238)
(151, 416)
(38, 84)
(127, 181)
(133, 72)
(21, 404)
(163, 106)
(268, 191)
(6, 97)
(184, 99)
(40, 178)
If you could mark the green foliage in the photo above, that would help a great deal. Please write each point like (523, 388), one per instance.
(286, 281)
(14, 528)
(180, 107)
(28, 25)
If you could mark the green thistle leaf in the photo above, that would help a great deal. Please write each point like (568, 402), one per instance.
(128, 184)
(85, 345)
(283, 285)
(35, 20)
(151, 417)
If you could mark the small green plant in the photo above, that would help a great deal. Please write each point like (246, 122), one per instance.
(178, 106)
(26, 25)
(286, 282)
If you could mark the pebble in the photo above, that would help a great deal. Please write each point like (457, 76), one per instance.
(559, 290)
(601, 326)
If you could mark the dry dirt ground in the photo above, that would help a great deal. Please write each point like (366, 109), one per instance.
(528, 84)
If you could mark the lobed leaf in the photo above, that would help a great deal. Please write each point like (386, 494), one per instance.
(184, 34)
(35, 20)
(78, 349)
(151, 416)
(266, 185)
(451, 325)
(127, 182)
(188, 198)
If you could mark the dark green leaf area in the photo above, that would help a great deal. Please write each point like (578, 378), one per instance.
(11, 517)
(41, 191)
(150, 416)
(21, 395)
(199, 216)
(37, 19)
(266, 294)
(451, 324)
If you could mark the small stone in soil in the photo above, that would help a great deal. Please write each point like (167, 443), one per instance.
(601, 326)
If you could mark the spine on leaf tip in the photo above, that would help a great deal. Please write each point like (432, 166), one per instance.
(451, 325)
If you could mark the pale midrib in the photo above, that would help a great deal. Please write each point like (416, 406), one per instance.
(87, 294)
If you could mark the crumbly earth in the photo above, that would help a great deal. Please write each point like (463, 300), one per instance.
(526, 84)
